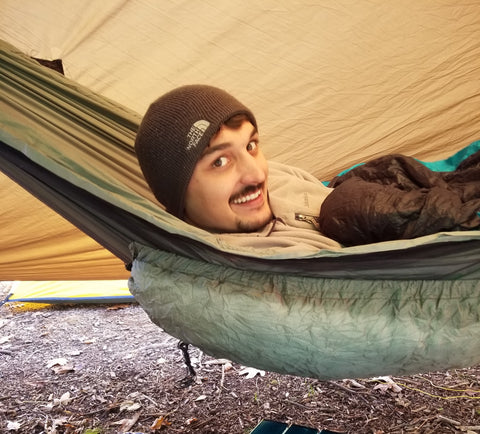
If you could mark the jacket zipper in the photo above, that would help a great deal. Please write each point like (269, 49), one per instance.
(314, 220)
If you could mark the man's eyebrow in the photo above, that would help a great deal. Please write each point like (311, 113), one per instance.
(211, 149)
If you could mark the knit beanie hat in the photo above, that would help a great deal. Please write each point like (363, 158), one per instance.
(173, 134)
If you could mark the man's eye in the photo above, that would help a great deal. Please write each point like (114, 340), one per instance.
(220, 162)
(252, 146)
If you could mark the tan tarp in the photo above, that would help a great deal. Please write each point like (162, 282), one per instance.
(39, 244)
(331, 84)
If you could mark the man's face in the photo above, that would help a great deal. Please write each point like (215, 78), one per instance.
(228, 188)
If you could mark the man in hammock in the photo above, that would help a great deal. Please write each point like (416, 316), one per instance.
(199, 150)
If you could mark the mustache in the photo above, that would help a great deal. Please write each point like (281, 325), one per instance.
(245, 191)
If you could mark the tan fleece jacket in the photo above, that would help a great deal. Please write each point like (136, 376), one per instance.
(295, 198)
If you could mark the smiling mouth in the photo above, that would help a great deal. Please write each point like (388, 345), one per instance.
(248, 195)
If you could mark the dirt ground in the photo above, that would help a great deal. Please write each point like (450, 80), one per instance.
(108, 369)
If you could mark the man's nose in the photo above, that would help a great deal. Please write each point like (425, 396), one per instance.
(251, 170)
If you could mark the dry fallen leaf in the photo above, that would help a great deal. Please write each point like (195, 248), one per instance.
(353, 383)
(129, 406)
(388, 384)
(251, 372)
(4, 339)
(217, 362)
(118, 306)
(58, 361)
(13, 426)
(63, 400)
(160, 422)
(64, 369)
(60, 365)
(226, 364)
(126, 424)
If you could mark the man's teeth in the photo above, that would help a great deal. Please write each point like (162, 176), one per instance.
(247, 198)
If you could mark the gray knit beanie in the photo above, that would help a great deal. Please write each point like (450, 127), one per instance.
(173, 134)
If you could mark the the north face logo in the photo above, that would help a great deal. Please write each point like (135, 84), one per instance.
(196, 133)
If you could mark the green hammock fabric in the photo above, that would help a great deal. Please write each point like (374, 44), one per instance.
(396, 307)
(321, 328)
